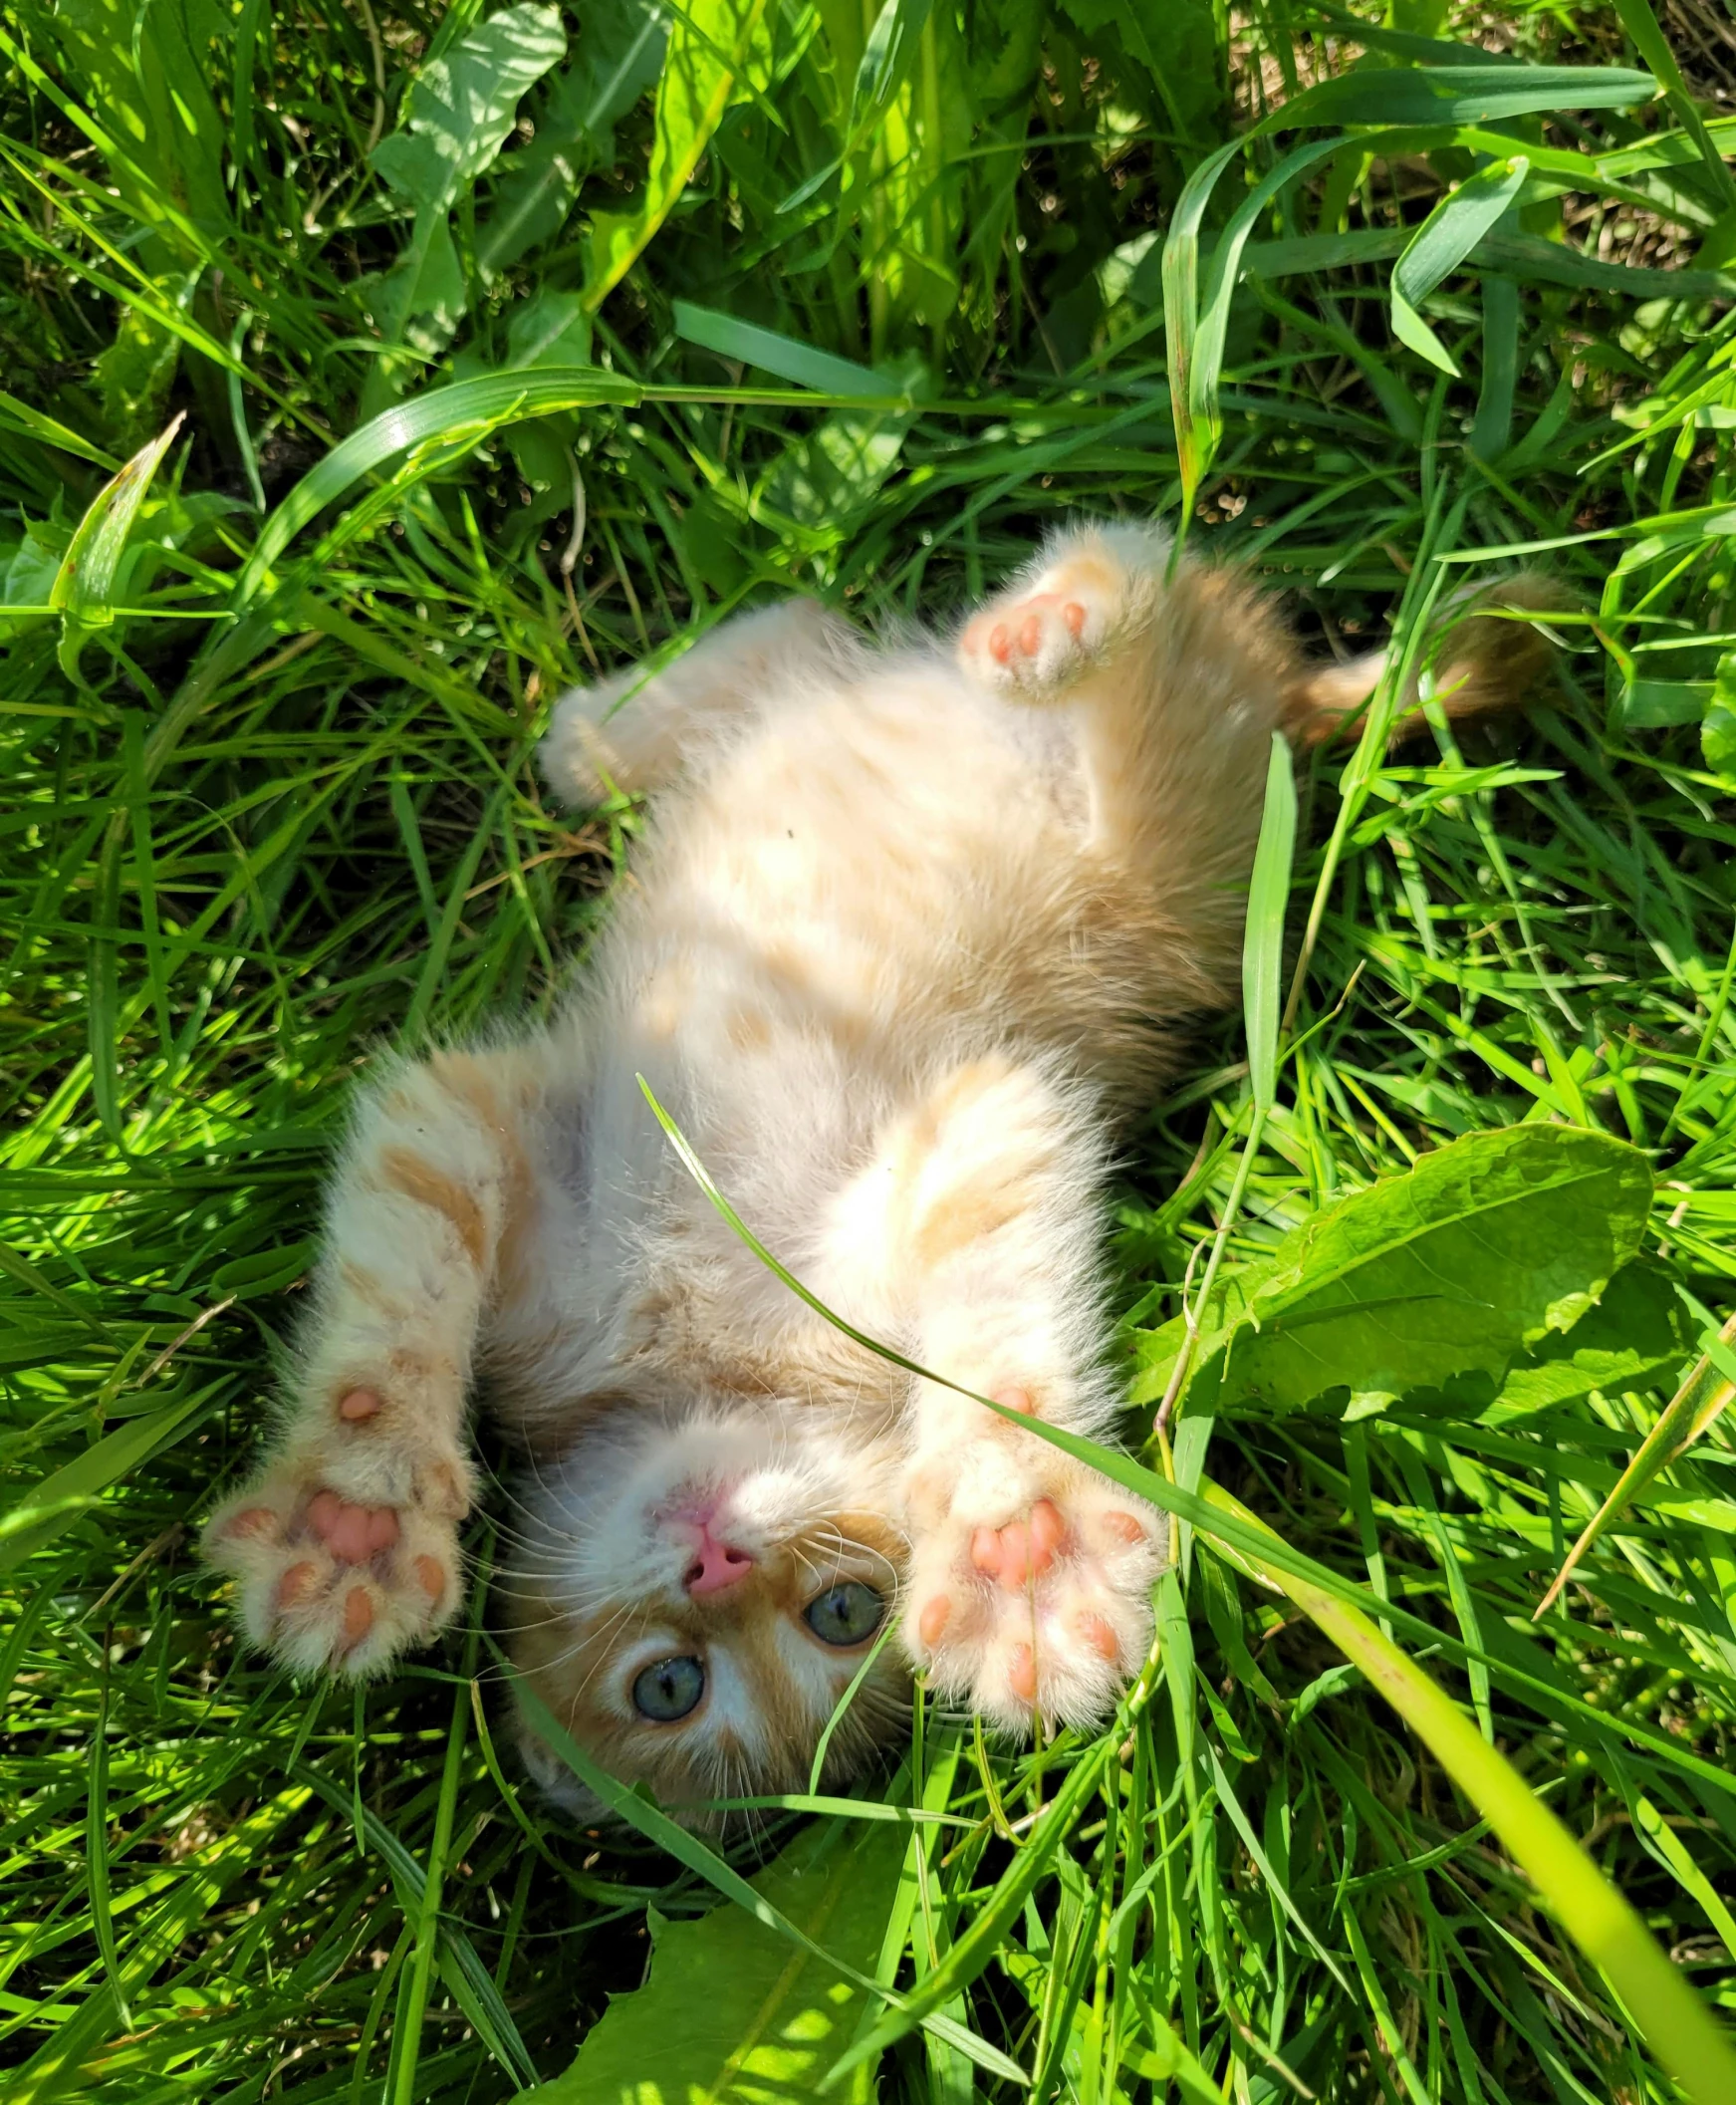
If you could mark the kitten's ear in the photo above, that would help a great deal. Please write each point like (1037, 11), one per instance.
(558, 1783)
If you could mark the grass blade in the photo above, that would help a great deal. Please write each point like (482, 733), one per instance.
(1702, 1398)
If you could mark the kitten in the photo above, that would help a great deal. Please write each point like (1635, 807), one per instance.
(910, 928)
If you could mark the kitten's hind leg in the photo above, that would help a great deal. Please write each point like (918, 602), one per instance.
(346, 1543)
(634, 730)
(1176, 678)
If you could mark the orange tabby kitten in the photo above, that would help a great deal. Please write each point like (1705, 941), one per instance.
(909, 928)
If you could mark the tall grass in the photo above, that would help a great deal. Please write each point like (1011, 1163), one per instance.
(508, 346)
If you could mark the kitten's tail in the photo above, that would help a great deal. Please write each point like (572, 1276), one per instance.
(1494, 659)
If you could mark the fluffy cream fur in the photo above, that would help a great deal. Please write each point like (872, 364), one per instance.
(910, 926)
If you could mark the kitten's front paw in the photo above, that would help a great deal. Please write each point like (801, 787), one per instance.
(1035, 1598)
(1036, 644)
(348, 1552)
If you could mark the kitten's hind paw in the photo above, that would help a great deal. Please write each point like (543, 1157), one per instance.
(1039, 1606)
(1066, 613)
(1033, 647)
(334, 1583)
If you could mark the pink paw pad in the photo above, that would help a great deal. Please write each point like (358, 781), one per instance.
(1022, 1672)
(931, 1626)
(357, 1615)
(352, 1533)
(360, 1404)
(1023, 1549)
(1093, 1631)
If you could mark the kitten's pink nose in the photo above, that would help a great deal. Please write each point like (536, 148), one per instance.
(715, 1565)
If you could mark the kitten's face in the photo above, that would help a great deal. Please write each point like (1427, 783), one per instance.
(695, 1595)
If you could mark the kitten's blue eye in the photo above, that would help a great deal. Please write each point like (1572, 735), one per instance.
(846, 1613)
(669, 1689)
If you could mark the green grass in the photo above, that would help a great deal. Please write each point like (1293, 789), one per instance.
(270, 807)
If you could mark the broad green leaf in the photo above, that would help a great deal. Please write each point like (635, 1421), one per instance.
(1718, 738)
(421, 299)
(462, 105)
(638, 1810)
(1442, 242)
(730, 2014)
(457, 118)
(1480, 1249)
(617, 56)
(1177, 48)
(1636, 1338)
(86, 577)
(28, 569)
(1651, 705)
(549, 329)
(711, 46)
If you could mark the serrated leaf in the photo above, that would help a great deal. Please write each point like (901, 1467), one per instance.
(1177, 49)
(1636, 1337)
(457, 117)
(709, 50)
(619, 54)
(1478, 1251)
(420, 300)
(730, 2010)
(463, 106)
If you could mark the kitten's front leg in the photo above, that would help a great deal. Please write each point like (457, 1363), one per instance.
(347, 1542)
(637, 729)
(1029, 1578)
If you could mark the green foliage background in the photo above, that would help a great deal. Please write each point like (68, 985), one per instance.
(853, 301)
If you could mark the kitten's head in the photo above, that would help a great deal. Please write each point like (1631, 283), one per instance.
(697, 1590)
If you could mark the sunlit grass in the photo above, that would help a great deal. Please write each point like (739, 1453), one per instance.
(241, 853)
